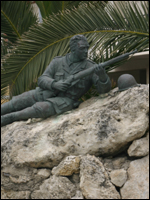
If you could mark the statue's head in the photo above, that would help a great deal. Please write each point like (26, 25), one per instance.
(75, 39)
(79, 46)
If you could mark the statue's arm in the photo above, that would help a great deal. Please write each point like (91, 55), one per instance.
(102, 82)
(46, 80)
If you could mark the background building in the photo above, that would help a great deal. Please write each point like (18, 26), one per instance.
(137, 65)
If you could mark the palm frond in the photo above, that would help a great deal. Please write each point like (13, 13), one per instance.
(49, 7)
(16, 18)
(110, 32)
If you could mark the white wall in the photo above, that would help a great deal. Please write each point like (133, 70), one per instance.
(137, 65)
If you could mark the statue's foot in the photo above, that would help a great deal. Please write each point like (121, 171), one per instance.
(7, 119)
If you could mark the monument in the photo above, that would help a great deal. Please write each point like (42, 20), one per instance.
(65, 80)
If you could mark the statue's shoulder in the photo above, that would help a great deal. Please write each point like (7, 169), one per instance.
(58, 57)
(90, 62)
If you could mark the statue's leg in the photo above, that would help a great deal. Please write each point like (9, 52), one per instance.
(38, 110)
(19, 102)
(7, 107)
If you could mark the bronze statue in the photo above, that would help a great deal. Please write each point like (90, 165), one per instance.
(62, 84)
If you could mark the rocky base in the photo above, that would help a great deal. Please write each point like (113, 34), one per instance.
(98, 151)
(80, 177)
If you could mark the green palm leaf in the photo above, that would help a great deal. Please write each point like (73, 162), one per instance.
(16, 18)
(110, 32)
(49, 7)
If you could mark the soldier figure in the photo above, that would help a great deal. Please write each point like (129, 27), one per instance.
(54, 95)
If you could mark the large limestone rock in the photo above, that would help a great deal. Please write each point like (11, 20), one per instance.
(10, 194)
(83, 153)
(68, 166)
(94, 180)
(100, 126)
(139, 147)
(55, 188)
(22, 179)
(137, 186)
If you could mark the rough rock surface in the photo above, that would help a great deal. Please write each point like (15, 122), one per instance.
(65, 154)
(55, 188)
(137, 186)
(68, 166)
(11, 194)
(118, 177)
(78, 195)
(139, 147)
(94, 180)
(21, 179)
(117, 162)
(103, 126)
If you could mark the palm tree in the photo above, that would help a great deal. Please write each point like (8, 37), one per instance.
(49, 7)
(111, 31)
(18, 16)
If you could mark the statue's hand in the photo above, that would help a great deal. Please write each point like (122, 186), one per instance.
(60, 85)
(100, 72)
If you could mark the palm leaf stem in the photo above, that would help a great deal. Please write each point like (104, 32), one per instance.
(12, 25)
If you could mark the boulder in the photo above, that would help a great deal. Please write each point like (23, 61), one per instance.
(137, 185)
(118, 177)
(68, 166)
(94, 180)
(23, 179)
(10, 194)
(140, 147)
(55, 188)
(75, 155)
(101, 126)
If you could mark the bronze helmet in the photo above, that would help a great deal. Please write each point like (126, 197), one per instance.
(126, 81)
